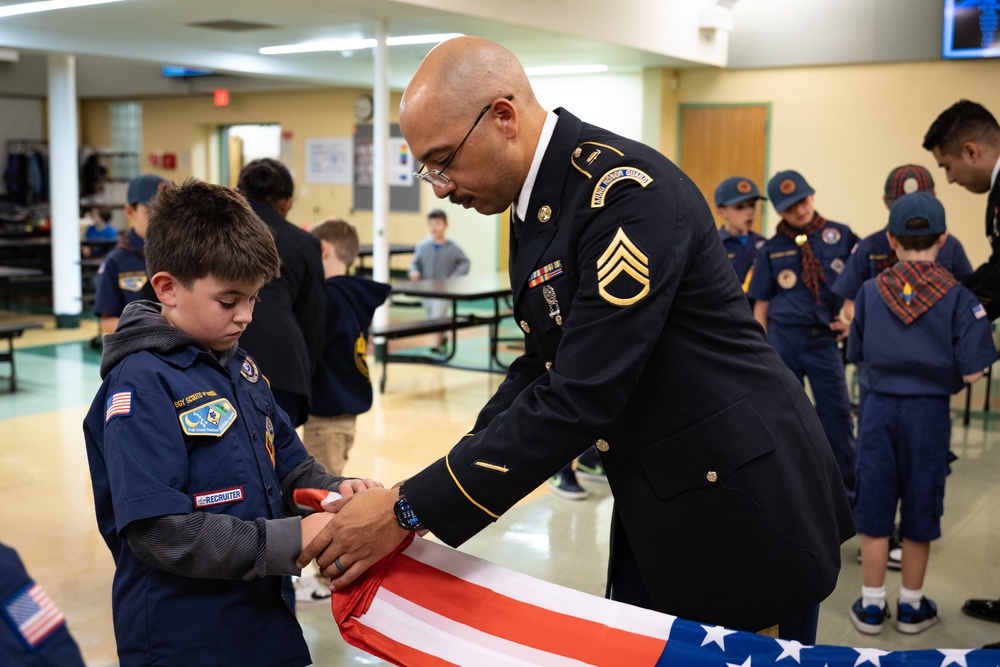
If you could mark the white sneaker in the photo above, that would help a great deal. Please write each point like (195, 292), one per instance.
(309, 589)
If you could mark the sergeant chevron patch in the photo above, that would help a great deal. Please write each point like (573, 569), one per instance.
(622, 272)
(613, 176)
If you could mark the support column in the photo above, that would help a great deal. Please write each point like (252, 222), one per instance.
(64, 191)
(380, 173)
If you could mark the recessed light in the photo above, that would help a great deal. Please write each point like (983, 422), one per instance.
(47, 6)
(355, 44)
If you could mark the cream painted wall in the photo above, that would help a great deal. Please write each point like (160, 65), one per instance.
(845, 128)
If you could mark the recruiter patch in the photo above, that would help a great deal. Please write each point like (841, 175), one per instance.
(210, 419)
(220, 497)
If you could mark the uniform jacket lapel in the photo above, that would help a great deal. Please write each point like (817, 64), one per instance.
(536, 235)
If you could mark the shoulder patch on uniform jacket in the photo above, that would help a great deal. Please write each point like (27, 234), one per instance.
(622, 272)
(613, 176)
(586, 154)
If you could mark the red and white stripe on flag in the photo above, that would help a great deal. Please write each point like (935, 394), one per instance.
(33, 615)
(437, 606)
(119, 404)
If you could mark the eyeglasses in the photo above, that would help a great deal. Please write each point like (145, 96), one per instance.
(436, 177)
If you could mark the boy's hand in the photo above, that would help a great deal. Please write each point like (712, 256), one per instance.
(311, 525)
(351, 486)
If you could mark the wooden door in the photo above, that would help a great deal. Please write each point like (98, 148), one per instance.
(721, 141)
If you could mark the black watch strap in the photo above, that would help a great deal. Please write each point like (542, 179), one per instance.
(405, 516)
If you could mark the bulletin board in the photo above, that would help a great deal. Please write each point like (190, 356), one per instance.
(404, 190)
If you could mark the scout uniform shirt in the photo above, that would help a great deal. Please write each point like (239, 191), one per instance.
(171, 431)
(121, 278)
(741, 251)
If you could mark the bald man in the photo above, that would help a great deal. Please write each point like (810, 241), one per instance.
(638, 339)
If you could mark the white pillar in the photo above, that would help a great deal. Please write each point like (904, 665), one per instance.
(380, 166)
(64, 191)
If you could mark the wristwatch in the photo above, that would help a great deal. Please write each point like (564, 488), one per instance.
(405, 516)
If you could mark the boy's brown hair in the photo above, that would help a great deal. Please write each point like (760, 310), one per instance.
(340, 234)
(196, 229)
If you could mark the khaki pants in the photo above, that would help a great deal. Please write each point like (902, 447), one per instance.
(329, 439)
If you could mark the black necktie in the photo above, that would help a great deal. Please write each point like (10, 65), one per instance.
(516, 223)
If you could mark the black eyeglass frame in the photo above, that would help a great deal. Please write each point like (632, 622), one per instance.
(436, 177)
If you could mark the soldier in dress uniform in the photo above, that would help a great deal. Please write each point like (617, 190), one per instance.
(728, 505)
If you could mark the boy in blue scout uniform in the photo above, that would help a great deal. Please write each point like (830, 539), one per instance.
(920, 334)
(736, 203)
(791, 283)
(192, 463)
(121, 278)
(33, 631)
(729, 508)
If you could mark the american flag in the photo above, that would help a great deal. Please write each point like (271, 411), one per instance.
(33, 615)
(119, 405)
(428, 605)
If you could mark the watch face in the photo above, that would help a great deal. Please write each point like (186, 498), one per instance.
(363, 108)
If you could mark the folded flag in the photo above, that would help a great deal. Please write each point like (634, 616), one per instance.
(428, 605)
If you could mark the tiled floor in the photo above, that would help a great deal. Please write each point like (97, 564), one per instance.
(48, 508)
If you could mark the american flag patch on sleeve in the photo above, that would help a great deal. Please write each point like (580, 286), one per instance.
(119, 405)
(979, 311)
(32, 615)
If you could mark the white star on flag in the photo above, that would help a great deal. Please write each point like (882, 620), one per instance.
(746, 663)
(716, 634)
(789, 649)
(955, 656)
(869, 655)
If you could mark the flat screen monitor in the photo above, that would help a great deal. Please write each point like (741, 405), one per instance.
(971, 29)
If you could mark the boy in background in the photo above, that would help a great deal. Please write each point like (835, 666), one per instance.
(920, 335)
(793, 301)
(437, 257)
(193, 465)
(736, 203)
(121, 278)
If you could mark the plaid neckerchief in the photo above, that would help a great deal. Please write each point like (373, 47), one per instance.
(909, 289)
(812, 272)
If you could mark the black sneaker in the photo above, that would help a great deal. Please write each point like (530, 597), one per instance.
(911, 621)
(564, 483)
(590, 467)
(870, 619)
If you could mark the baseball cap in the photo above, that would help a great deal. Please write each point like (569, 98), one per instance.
(142, 189)
(906, 179)
(916, 206)
(735, 190)
(786, 188)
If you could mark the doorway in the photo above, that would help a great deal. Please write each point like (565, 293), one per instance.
(719, 141)
(241, 144)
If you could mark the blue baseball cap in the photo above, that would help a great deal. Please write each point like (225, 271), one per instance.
(142, 189)
(735, 190)
(786, 188)
(917, 206)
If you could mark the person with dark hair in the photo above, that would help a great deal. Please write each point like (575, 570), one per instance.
(192, 463)
(286, 336)
(728, 507)
(965, 141)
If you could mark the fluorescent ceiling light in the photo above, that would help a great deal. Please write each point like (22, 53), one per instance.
(565, 69)
(355, 44)
(48, 5)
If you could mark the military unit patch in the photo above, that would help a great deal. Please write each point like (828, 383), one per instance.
(622, 271)
(546, 273)
(613, 176)
(210, 419)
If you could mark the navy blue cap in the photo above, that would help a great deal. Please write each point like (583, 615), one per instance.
(142, 189)
(786, 188)
(916, 206)
(735, 190)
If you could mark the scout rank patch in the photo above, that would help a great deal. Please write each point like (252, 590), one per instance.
(132, 281)
(622, 272)
(210, 419)
(546, 273)
(249, 371)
